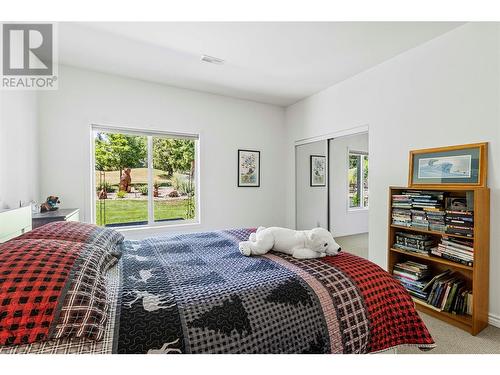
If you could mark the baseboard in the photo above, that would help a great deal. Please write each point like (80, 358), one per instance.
(494, 320)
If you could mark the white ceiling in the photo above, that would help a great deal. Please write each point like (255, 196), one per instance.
(276, 63)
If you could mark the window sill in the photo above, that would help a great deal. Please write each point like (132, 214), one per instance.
(192, 224)
(357, 210)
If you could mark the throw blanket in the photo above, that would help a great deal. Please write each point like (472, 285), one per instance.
(195, 293)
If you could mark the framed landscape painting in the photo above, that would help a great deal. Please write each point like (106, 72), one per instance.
(248, 168)
(317, 170)
(463, 165)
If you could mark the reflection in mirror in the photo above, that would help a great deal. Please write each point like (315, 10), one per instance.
(349, 192)
(311, 180)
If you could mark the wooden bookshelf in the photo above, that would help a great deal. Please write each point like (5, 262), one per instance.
(476, 277)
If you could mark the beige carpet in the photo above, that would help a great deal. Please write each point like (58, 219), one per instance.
(356, 244)
(452, 340)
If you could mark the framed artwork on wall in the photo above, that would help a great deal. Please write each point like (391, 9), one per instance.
(248, 168)
(317, 170)
(462, 165)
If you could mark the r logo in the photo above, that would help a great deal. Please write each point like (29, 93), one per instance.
(27, 49)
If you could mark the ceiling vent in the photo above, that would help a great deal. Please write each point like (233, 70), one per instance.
(212, 60)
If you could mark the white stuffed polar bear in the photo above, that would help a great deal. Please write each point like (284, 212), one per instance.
(304, 244)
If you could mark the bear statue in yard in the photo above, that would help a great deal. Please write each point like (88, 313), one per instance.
(125, 181)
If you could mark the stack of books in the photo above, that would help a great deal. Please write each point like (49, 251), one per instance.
(414, 277)
(401, 206)
(437, 220)
(416, 243)
(460, 222)
(420, 209)
(449, 293)
(401, 217)
(456, 250)
(401, 201)
(419, 219)
(426, 199)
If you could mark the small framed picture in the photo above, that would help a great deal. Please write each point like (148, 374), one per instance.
(459, 204)
(248, 168)
(318, 170)
(463, 165)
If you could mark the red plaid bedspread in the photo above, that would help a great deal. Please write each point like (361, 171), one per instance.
(78, 232)
(391, 312)
(62, 230)
(51, 289)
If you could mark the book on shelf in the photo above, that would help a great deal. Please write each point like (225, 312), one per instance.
(459, 243)
(401, 201)
(459, 231)
(456, 250)
(426, 199)
(436, 220)
(401, 217)
(418, 243)
(460, 222)
(434, 278)
(413, 277)
(419, 219)
(429, 194)
(465, 220)
(463, 302)
(449, 293)
(408, 274)
(461, 213)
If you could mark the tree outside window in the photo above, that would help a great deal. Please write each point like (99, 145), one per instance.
(358, 180)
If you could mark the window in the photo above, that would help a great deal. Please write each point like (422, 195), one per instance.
(144, 178)
(358, 180)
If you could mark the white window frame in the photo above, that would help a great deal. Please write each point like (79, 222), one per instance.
(149, 133)
(362, 206)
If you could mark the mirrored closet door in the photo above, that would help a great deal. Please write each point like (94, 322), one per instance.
(332, 190)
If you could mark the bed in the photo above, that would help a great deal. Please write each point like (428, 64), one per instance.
(193, 293)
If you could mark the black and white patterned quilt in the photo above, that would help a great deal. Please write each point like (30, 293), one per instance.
(195, 294)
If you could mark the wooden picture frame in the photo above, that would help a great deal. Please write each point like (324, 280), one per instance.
(451, 166)
(248, 168)
(312, 159)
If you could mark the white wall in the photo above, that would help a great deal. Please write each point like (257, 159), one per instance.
(224, 125)
(18, 148)
(311, 201)
(345, 221)
(441, 93)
